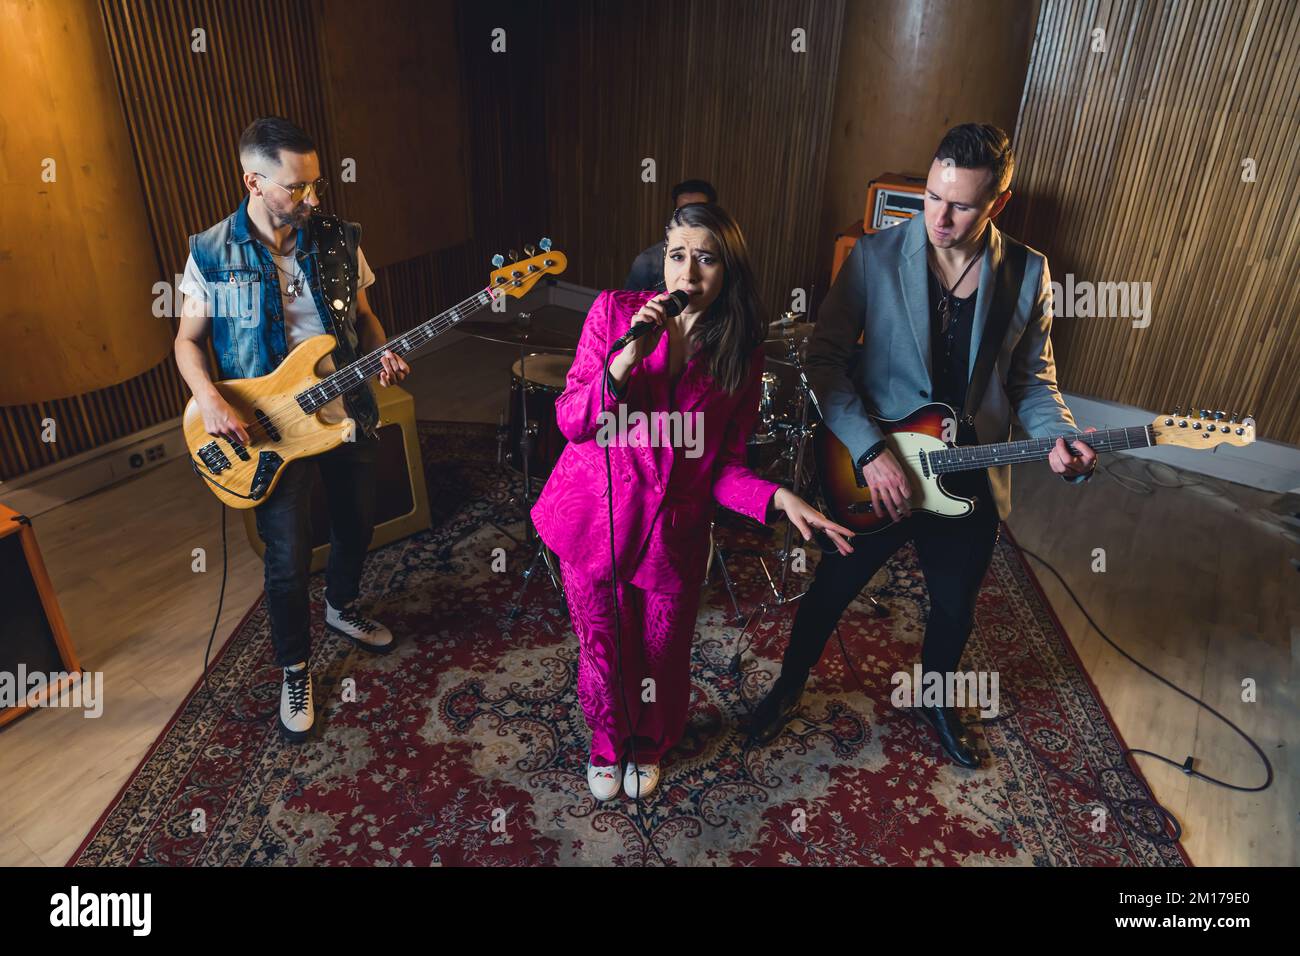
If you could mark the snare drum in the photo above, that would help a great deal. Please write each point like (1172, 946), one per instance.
(544, 384)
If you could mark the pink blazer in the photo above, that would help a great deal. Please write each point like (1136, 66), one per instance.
(663, 499)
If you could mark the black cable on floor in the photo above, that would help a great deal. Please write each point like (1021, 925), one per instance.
(1098, 793)
(221, 598)
(1186, 766)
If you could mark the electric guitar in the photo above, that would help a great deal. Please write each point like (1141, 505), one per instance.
(921, 443)
(297, 410)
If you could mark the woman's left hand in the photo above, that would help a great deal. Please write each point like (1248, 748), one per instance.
(808, 519)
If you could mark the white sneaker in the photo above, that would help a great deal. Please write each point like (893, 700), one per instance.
(367, 634)
(603, 781)
(297, 709)
(640, 781)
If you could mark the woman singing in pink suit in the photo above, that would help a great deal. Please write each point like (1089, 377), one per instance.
(689, 391)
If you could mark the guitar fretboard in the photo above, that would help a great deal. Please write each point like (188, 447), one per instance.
(350, 376)
(1032, 449)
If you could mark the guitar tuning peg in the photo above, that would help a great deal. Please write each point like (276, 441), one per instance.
(1234, 418)
(544, 244)
(512, 255)
(530, 250)
(1219, 416)
(1178, 410)
(498, 261)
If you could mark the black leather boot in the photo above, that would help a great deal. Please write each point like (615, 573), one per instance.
(772, 712)
(952, 734)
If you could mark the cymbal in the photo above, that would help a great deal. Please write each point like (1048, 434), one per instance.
(535, 337)
(785, 331)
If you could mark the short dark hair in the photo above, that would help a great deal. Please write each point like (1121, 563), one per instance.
(980, 146)
(695, 186)
(267, 135)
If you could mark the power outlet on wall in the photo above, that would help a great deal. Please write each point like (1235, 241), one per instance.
(140, 456)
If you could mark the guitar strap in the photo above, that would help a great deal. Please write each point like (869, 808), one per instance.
(1006, 287)
(337, 269)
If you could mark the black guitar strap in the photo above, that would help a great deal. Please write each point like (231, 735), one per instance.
(1006, 287)
(336, 263)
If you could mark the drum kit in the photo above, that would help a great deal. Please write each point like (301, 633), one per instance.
(529, 441)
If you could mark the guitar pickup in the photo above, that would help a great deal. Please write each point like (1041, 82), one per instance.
(239, 448)
(267, 426)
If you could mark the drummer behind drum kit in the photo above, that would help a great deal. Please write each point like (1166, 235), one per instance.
(529, 440)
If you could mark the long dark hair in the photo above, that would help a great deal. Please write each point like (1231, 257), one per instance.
(734, 325)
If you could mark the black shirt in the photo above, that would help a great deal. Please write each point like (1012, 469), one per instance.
(949, 356)
(950, 350)
(648, 269)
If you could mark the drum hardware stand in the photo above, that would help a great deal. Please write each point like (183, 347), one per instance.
(796, 437)
(797, 443)
(718, 556)
(540, 551)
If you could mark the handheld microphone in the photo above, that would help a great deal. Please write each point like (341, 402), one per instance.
(673, 305)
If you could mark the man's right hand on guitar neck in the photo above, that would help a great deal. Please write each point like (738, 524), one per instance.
(891, 489)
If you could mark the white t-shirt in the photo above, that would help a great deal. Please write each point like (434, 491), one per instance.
(301, 320)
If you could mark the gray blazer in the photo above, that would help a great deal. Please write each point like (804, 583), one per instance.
(882, 293)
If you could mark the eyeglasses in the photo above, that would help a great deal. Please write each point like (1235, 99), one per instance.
(298, 191)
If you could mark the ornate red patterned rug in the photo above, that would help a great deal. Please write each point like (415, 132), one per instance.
(467, 746)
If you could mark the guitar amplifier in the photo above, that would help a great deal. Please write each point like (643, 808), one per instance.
(401, 500)
(33, 636)
(892, 199)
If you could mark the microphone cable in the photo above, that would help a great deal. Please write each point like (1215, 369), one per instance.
(608, 393)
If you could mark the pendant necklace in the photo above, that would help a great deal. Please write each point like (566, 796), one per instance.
(295, 286)
(945, 300)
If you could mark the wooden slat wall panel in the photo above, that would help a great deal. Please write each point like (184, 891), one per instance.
(1130, 169)
(708, 89)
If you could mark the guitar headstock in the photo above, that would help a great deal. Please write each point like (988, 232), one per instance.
(1202, 428)
(518, 278)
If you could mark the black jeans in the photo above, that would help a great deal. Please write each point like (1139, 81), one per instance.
(284, 525)
(954, 555)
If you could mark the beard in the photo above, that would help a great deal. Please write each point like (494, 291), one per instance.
(296, 216)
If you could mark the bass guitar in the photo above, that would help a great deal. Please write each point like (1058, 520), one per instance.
(297, 410)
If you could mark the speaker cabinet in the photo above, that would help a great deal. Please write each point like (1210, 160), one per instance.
(32, 632)
(402, 502)
(892, 199)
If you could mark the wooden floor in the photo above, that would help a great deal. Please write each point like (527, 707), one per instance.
(1194, 586)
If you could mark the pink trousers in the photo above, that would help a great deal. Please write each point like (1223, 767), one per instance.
(657, 630)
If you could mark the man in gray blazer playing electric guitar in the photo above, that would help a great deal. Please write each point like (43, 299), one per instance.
(950, 310)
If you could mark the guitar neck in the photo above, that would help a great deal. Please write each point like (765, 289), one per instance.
(351, 376)
(1033, 449)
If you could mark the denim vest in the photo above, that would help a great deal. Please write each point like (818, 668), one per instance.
(247, 314)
